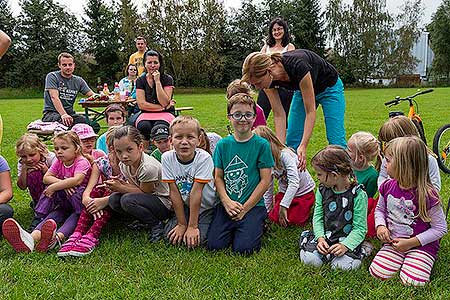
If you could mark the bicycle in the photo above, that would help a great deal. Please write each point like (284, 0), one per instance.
(441, 147)
(413, 113)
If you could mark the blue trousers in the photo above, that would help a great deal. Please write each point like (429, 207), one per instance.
(244, 235)
(333, 106)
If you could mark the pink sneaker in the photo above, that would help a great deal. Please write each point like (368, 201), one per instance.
(67, 247)
(48, 236)
(84, 246)
(19, 239)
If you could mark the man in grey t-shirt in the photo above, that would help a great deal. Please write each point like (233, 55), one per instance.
(61, 89)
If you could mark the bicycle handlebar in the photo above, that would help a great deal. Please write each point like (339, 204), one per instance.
(397, 100)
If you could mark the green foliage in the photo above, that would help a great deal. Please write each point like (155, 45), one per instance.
(126, 266)
(102, 28)
(370, 42)
(440, 40)
(129, 29)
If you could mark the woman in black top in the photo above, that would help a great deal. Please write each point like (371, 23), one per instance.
(314, 80)
(154, 91)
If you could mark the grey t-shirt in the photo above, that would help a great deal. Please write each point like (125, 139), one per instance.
(68, 89)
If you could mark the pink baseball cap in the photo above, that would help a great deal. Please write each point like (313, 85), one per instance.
(84, 131)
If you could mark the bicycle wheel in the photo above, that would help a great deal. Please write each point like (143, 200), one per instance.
(419, 126)
(441, 147)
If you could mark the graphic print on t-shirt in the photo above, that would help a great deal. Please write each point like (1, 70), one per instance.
(184, 184)
(400, 215)
(66, 94)
(235, 178)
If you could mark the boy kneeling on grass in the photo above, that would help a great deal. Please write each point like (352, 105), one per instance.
(189, 172)
(243, 172)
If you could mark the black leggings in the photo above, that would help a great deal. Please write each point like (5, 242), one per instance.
(285, 97)
(145, 207)
(145, 127)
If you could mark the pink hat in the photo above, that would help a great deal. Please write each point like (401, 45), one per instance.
(84, 131)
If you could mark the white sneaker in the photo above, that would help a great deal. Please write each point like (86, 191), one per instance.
(19, 239)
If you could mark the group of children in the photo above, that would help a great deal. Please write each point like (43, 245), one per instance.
(199, 190)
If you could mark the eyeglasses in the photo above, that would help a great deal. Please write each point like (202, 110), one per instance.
(238, 115)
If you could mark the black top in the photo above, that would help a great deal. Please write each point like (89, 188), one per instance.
(150, 92)
(298, 63)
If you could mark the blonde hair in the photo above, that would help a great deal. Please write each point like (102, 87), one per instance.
(275, 145)
(30, 142)
(334, 159)
(72, 137)
(409, 159)
(256, 65)
(185, 120)
(366, 145)
(238, 86)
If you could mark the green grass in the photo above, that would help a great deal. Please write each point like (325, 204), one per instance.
(126, 266)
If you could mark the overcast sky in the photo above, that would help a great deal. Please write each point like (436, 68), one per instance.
(76, 7)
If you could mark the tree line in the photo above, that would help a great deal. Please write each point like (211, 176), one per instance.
(204, 44)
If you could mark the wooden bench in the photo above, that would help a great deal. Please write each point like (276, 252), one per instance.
(178, 110)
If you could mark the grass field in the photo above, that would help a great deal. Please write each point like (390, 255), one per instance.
(127, 266)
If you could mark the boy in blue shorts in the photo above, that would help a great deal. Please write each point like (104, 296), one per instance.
(243, 165)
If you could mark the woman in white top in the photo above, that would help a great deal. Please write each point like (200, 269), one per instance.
(278, 40)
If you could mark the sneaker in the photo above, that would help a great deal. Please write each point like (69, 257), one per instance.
(19, 239)
(366, 248)
(138, 225)
(67, 247)
(156, 233)
(48, 236)
(85, 245)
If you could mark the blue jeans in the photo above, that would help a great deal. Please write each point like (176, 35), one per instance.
(244, 235)
(333, 106)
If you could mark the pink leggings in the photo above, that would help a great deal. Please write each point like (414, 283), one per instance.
(414, 265)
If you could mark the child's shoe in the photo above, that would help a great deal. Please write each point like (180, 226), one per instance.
(18, 238)
(84, 246)
(156, 233)
(67, 247)
(366, 248)
(48, 236)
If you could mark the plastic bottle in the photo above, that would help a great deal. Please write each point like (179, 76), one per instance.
(116, 92)
(105, 89)
(99, 85)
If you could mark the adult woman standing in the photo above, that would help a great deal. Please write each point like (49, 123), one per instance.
(154, 91)
(277, 40)
(318, 83)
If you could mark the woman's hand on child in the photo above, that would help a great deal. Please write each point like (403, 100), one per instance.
(301, 152)
(176, 234)
(338, 249)
(192, 237)
(383, 234)
(283, 217)
(322, 246)
(233, 208)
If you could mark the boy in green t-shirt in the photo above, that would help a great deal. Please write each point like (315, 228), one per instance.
(160, 139)
(243, 166)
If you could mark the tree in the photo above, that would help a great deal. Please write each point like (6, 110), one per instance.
(102, 28)
(129, 28)
(440, 40)
(46, 30)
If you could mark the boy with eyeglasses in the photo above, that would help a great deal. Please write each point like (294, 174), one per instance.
(243, 166)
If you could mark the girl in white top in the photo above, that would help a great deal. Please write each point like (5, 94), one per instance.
(400, 126)
(277, 40)
(295, 196)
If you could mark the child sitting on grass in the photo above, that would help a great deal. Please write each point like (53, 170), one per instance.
(60, 202)
(115, 116)
(243, 171)
(6, 191)
(88, 137)
(295, 197)
(160, 139)
(34, 161)
(409, 217)
(189, 172)
(340, 214)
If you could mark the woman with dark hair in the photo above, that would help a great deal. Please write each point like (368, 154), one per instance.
(154, 90)
(277, 40)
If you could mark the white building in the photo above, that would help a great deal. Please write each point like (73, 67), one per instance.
(422, 51)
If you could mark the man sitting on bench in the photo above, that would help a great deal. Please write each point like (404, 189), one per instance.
(61, 89)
